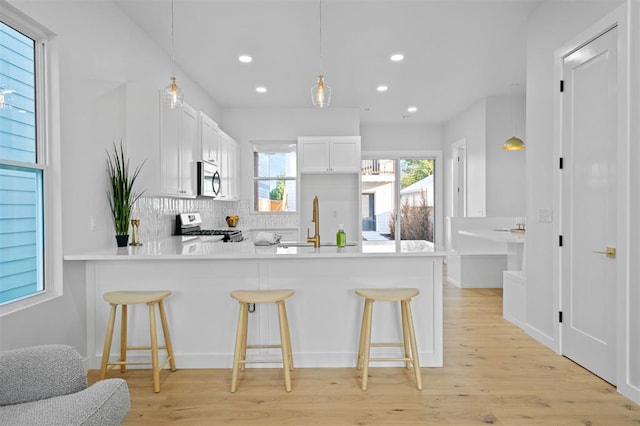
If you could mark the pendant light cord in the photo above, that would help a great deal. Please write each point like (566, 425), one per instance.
(513, 113)
(320, 37)
(173, 58)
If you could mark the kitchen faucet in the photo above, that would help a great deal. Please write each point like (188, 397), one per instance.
(316, 219)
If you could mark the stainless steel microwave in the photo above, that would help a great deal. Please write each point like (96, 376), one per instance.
(208, 179)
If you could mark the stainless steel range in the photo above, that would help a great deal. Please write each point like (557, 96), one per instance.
(189, 224)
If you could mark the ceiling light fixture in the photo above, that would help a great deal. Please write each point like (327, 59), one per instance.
(382, 88)
(397, 57)
(320, 93)
(245, 59)
(261, 89)
(173, 94)
(412, 109)
(513, 143)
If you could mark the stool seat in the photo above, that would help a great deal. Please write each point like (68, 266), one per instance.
(408, 345)
(249, 297)
(388, 294)
(261, 296)
(152, 299)
(134, 297)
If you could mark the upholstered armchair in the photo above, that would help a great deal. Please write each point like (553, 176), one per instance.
(47, 385)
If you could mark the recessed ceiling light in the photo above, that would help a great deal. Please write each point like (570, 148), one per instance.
(261, 89)
(382, 88)
(397, 57)
(245, 59)
(412, 109)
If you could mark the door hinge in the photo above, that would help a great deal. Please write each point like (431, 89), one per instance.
(561, 85)
(560, 316)
(560, 240)
(561, 163)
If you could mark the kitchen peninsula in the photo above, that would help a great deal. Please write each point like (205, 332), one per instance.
(324, 314)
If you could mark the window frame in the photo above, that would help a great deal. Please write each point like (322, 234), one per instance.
(436, 155)
(255, 178)
(47, 156)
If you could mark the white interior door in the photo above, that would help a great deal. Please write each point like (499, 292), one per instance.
(589, 205)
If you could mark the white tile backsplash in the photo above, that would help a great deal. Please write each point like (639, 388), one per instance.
(157, 215)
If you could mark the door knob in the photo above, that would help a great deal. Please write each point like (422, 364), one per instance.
(610, 252)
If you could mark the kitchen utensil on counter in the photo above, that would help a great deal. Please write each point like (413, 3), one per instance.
(232, 221)
(267, 239)
(135, 230)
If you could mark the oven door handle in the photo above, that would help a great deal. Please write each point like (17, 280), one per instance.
(215, 183)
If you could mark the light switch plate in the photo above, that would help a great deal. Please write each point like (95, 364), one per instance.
(545, 215)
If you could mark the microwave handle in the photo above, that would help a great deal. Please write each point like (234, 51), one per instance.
(215, 183)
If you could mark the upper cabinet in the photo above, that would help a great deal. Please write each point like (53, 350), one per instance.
(178, 145)
(209, 139)
(229, 168)
(329, 154)
(186, 137)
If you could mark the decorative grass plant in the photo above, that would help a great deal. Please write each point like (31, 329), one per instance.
(121, 194)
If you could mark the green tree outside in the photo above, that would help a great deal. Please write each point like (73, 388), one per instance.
(415, 170)
(277, 193)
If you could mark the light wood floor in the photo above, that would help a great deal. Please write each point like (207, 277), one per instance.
(493, 374)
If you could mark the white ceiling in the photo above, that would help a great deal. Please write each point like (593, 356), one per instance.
(456, 51)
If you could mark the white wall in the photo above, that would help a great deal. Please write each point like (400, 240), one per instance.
(281, 124)
(550, 27)
(631, 296)
(495, 178)
(505, 177)
(402, 137)
(110, 74)
(471, 125)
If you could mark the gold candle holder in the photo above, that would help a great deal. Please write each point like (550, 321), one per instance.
(135, 227)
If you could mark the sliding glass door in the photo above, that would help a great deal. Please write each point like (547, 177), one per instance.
(398, 199)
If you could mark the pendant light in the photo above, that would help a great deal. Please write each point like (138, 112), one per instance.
(320, 93)
(173, 94)
(513, 143)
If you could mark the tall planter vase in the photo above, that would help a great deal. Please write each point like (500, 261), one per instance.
(122, 240)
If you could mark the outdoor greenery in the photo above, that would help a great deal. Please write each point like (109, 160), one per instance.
(121, 194)
(416, 220)
(277, 193)
(414, 171)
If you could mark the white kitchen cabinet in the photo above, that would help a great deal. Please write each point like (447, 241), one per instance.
(209, 139)
(229, 170)
(324, 154)
(178, 144)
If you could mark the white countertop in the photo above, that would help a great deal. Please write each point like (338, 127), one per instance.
(499, 235)
(175, 248)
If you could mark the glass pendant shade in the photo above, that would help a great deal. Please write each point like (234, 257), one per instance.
(513, 144)
(321, 94)
(173, 94)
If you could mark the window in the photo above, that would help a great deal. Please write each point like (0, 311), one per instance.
(23, 172)
(398, 197)
(274, 176)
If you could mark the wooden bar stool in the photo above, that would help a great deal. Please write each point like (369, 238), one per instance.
(404, 296)
(151, 299)
(246, 297)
